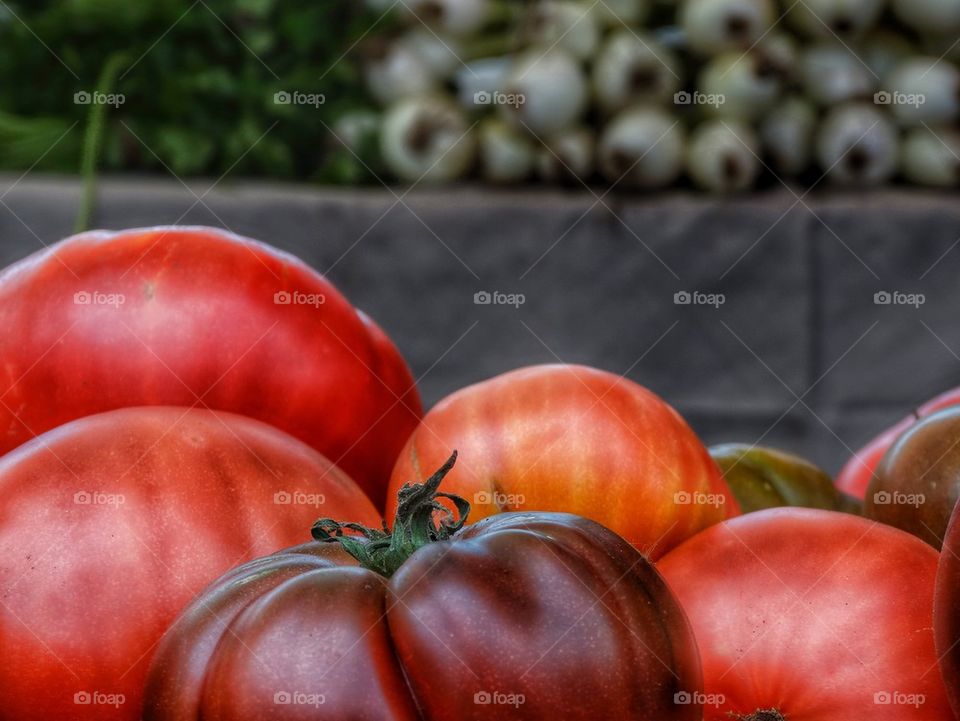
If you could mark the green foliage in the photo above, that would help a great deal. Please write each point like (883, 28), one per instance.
(198, 84)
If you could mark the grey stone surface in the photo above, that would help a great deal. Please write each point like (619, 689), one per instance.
(908, 244)
(599, 280)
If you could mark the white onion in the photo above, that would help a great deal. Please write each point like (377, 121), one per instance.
(857, 145)
(441, 55)
(565, 24)
(923, 90)
(634, 67)
(931, 156)
(713, 26)
(832, 74)
(427, 138)
(642, 147)
(487, 75)
(398, 73)
(567, 156)
(748, 83)
(722, 156)
(553, 90)
(456, 17)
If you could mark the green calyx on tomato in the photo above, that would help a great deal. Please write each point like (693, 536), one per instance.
(420, 519)
(762, 478)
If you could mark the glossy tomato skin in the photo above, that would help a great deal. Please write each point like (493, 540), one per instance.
(533, 616)
(857, 473)
(197, 316)
(174, 683)
(946, 611)
(299, 655)
(572, 439)
(762, 477)
(917, 483)
(814, 614)
(111, 524)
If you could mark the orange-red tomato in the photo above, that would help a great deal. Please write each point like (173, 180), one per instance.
(573, 439)
(111, 524)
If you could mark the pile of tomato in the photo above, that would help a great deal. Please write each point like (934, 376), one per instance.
(222, 501)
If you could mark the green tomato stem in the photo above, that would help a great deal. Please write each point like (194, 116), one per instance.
(420, 520)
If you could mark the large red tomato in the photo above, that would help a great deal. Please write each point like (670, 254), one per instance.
(572, 439)
(810, 615)
(199, 317)
(946, 611)
(856, 474)
(111, 524)
(530, 616)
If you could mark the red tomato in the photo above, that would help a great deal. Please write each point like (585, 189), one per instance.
(111, 524)
(856, 474)
(521, 616)
(810, 615)
(946, 611)
(572, 439)
(199, 317)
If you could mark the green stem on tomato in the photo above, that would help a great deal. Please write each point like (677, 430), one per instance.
(420, 520)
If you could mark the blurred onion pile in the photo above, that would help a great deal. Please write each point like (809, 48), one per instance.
(641, 93)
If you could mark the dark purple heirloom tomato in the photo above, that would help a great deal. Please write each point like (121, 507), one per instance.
(917, 483)
(523, 615)
(859, 471)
